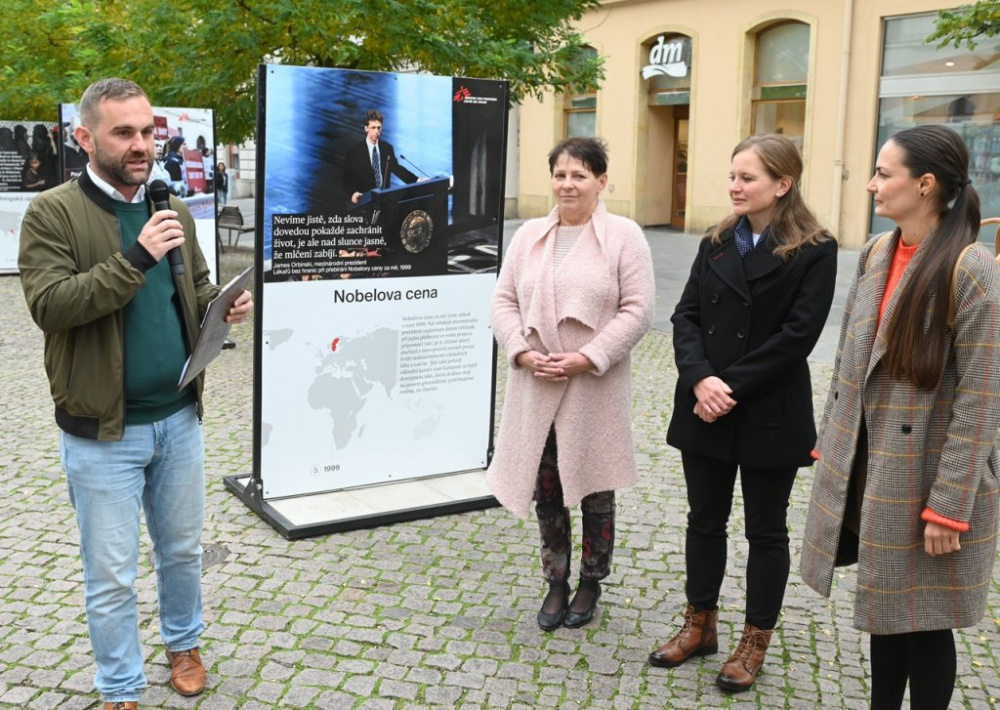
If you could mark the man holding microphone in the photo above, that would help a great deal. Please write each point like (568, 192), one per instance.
(118, 328)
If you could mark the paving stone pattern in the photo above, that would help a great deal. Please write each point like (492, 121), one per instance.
(432, 613)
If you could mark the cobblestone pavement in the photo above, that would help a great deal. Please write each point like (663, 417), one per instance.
(433, 613)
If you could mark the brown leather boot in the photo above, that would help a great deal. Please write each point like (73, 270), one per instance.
(122, 705)
(187, 674)
(696, 638)
(740, 671)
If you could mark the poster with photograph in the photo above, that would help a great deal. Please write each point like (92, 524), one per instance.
(28, 165)
(382, 213)
(184, 158)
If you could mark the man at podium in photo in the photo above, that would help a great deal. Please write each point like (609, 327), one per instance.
(372, 162)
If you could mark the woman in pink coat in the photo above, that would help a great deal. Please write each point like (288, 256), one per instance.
(575, 295)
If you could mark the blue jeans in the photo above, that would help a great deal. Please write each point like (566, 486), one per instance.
(160, 468)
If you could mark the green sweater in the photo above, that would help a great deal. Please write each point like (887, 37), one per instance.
(155, 351)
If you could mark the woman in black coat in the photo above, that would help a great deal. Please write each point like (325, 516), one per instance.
(753, 308)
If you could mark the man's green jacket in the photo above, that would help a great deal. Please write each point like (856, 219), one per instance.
(76, 280)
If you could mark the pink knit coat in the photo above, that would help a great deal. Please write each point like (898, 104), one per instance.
(598, 302)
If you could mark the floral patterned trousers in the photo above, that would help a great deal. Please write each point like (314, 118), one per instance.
(555, 526)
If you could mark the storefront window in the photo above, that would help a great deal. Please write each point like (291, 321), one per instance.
(580, 112)
(581, 123)
(787, 117)
(780, 81)
(976, 117)
(907, 51)
(922, 84)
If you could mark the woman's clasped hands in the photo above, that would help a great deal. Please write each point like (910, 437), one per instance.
(555, 367)
(714, 399)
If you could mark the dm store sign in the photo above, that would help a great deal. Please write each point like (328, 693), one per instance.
(669, 58)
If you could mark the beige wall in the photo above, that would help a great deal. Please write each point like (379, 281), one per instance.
(722, 34)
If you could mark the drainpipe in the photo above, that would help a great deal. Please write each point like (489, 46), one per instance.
(838, 155)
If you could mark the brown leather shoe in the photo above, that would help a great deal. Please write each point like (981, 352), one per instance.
(187, 675)
(122, 705)
(696, 638)
(740, 671)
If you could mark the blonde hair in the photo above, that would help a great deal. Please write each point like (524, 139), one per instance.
(793, 224)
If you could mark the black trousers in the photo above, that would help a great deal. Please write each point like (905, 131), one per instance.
(925, 659)
(710, 485)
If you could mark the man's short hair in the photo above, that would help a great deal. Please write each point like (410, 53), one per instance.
(373, 115)
(112, 89)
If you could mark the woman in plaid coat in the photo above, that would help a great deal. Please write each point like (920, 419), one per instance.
(906, 481)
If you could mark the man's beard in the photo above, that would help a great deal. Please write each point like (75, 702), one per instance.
(118, 170)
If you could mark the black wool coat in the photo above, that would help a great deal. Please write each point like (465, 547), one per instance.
(752, 322)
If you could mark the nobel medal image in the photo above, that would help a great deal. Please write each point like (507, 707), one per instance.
(415, 232)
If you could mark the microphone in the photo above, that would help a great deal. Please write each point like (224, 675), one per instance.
(403, 157)
(159, 193)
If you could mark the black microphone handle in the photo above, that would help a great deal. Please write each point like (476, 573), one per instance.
(174, 257)
(176, 261)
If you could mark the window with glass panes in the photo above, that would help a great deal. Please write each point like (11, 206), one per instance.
(780, 81)
(959, 87)
(580, 108)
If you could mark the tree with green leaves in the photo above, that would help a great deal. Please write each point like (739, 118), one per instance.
(964, 24)
(204, 53)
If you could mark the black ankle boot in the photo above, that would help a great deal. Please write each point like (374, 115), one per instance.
(558, 591)
(581, 610)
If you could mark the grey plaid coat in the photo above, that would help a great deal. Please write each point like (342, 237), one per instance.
(932, 448)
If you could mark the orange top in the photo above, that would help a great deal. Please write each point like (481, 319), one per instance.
(929, 516)
(900, 260)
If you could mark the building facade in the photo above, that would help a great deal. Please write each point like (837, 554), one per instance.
(686, 80)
